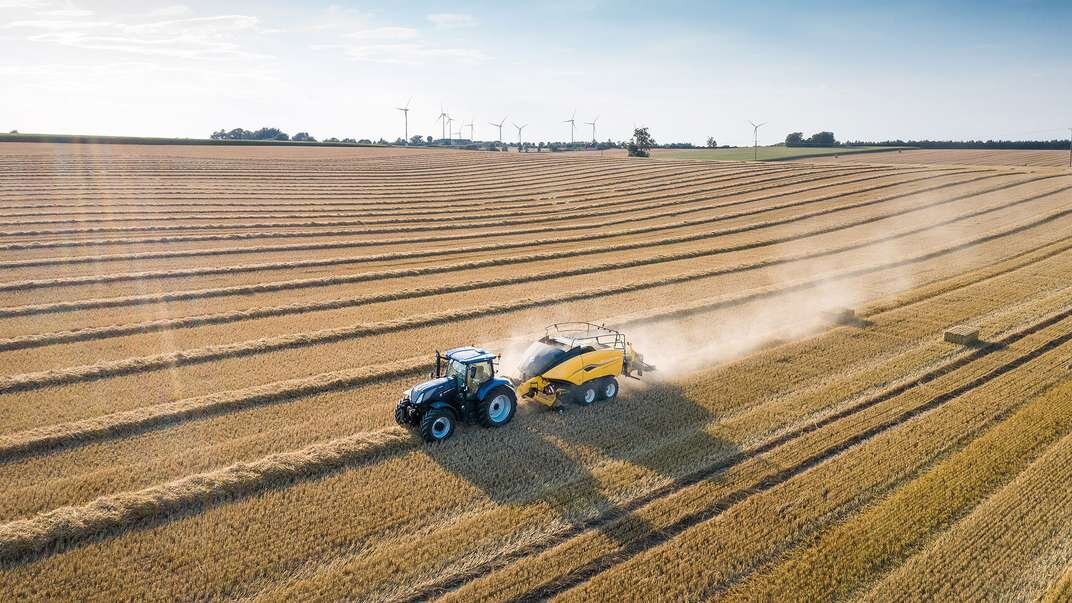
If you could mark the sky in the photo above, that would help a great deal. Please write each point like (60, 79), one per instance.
(686, 70)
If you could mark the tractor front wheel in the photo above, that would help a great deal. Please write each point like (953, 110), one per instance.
(437, 425)
(401, 415)
(498, 407)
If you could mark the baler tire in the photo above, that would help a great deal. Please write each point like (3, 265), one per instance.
(585, 394)
(608, 388)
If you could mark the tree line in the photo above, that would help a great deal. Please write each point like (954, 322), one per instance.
(970, 144)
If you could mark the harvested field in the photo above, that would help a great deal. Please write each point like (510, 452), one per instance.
(1021, 158)
(201, 349)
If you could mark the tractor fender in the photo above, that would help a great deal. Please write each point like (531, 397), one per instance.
(491, 384)
(443, 405)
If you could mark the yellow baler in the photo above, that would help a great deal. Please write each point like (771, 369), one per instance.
(577, 361)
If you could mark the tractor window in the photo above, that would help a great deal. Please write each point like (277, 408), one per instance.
(456, 371)
(481, 372)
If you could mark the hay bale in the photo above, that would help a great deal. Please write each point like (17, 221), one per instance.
(962, 335)
(841, 316)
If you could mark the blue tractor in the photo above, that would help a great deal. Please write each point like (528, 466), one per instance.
(463, 387)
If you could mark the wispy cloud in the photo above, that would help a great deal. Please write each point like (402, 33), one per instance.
(384, 34)
(452, 20)
(415, 53)
(212, 37)
(66, 12)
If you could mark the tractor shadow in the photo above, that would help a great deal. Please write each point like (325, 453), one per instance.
(655, 433)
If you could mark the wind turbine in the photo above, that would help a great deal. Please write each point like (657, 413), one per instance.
(755, 139)
(450, 132)
(571, 123)
(499, 125)
(593, 124)
(443, 118)
(405, 118)
(519, 128)
(470, 124)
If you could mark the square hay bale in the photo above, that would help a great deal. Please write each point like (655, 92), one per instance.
(962, 335)
(841, 316)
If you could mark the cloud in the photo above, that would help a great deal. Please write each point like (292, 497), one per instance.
(385, 34)
(414, 53)
(451, 20)
(213, 37)
(23, 3)
(66, 12)
(175, 10)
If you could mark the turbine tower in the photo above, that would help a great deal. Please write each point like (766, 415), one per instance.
(519, 128)
(499, 125)
(405, 118)
(593, 124)
(450, 132)
(443, 118)
(571, 122)
(470, 126)
(755, 139)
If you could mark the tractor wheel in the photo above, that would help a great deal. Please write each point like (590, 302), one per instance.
(585, 394)
(437, 425)
(498, 407)
(608, 388)
(400, 416)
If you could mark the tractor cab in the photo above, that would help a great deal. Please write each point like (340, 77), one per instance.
(463, 386)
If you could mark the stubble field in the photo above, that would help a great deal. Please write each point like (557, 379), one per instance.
(201, 349)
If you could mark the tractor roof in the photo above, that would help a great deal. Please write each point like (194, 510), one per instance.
(469, 354)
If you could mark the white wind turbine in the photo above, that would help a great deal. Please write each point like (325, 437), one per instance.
(755, 139)
(499, 125)
(519, 128)
(572, 122)
(405, 118)
(593, 124)
(443, 118)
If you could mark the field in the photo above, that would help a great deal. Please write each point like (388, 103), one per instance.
(775, 153)
(202, 347)
(1022, 158)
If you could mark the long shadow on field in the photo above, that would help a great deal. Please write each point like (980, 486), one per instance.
(648, 442)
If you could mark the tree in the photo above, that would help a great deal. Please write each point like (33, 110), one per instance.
(416, 139)
(711, 143)
(349, 140)
(794, 139)
(641, 143)
(428, 139)
(822, 138)
(303, 137)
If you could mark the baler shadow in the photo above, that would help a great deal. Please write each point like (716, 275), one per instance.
(654, 434)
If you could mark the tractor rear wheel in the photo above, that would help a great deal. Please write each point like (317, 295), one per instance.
(437, 425)
(608, 388)
(585, 394)
(498, 407)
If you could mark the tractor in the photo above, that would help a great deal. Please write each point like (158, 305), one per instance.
(463, 386)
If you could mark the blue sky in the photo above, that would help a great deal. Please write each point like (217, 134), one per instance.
(687, 70)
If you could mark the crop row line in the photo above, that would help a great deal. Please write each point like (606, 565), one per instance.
(676, 199)
(270, 286)
(167, 360)
(116, 425)
(281, 212)
(612, 200)
(589, 236)
(94, 333)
